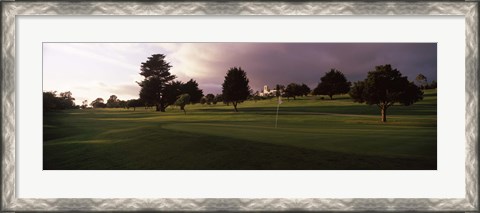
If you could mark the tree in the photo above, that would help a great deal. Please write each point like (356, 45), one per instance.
(256, 96)
(203, 100)
(183, 100)
(218, 98)
(210, 98)
(134, 103)
(421, 81)
(66, 101)
(384, 87)
(332, 83)
(176, 88)
(433, 85)
(84, 104)
(98, 103)
(172, 91)
(304, 90)
(49, 101)
(122, 104)
(235, 88)
(293, 90)
(279, 90)
(156, 73)
(113, 102)
(191, 88)
(52, 101)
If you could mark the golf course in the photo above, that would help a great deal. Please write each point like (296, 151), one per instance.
(312, 133)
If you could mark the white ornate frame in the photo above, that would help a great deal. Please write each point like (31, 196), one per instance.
(9, 202)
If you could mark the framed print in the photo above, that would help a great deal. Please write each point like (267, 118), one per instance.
(243, 106)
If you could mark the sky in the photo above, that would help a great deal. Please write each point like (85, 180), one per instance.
(92, 70)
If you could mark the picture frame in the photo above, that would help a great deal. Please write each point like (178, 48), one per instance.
(11, 10)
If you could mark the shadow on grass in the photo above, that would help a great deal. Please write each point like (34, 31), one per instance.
(202, 152)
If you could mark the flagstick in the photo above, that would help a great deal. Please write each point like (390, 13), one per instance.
(278, 106)
(276, 119)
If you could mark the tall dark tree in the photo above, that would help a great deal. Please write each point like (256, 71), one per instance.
(384, 87)
(235, 88)
(332, 83)
(156, 73)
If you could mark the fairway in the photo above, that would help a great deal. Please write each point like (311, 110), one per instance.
(312, 134)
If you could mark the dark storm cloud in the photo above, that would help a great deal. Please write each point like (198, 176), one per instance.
(283, 63)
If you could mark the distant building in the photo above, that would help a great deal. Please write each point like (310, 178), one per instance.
(268, 92)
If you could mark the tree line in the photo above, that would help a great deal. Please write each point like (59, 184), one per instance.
(383, 87)
(54, 101)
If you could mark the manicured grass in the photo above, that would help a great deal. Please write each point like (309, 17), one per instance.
(312, 134)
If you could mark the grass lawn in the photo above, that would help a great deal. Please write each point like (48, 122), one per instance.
(312, 134)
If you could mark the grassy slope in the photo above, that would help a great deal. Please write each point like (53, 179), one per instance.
(311, 134)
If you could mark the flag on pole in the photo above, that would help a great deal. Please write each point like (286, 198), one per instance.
(278, 106)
